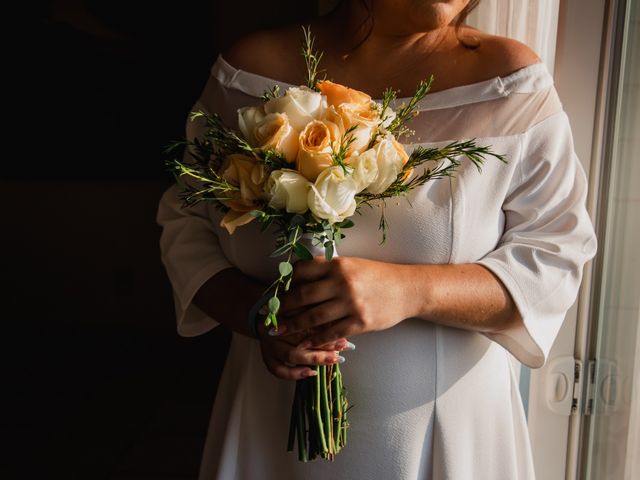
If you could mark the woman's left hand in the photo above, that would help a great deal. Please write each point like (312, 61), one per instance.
(346, 296)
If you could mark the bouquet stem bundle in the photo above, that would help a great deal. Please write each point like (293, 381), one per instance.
(319, 415)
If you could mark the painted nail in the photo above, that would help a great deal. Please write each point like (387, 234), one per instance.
(310, 373)
(350, 346)
(274, 332)
(341, 359)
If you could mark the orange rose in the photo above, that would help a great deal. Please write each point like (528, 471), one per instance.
(337, 94)
(316, 145)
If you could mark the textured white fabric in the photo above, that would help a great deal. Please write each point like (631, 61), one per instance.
(429, 401)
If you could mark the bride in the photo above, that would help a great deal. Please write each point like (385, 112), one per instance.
(476, 269)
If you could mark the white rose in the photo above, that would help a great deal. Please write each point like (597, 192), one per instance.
(391, 157)
(248, 118)
(301, 105)
(289, 190)
(365, 168)
(332, 197)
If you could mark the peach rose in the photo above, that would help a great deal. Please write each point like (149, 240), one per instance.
(366, 120)
(249, 175)
(316, 145)
(338, 94)
(274, 131)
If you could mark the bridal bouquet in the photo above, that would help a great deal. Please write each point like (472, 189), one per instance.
(305, 162)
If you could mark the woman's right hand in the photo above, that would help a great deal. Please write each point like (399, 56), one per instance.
(287, 359)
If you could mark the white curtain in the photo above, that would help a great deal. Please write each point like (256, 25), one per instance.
(533, 22)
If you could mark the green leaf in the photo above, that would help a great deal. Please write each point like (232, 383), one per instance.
(302, 252)
(256, 213)
(346, 224)
(274, 305)
(288, 284)
(328, 251)
(285, 268)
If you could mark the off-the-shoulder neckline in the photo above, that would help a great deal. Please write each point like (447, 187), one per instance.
(529, 79)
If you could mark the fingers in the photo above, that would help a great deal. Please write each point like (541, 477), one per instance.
(284, 372)
(293, 362)
(305, 294)
(313, 317)
(342, 328)
(311, 270)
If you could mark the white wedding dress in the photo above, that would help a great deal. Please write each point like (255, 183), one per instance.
(429, 402)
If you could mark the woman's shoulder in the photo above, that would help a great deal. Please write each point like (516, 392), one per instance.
(266, 52)
(499, 56)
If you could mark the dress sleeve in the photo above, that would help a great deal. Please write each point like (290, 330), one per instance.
(190, 252)
(547, 239)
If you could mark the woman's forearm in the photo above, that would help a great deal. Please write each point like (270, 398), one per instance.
(467, 296)
(227, 297)
(349, 296)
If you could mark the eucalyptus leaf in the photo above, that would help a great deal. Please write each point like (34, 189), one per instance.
(302, 252)
(274, 305)
(328, 251)
(346, 224)
(285, 268)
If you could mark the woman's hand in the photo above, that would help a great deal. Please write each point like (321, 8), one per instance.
(286, 359)
(344, 297)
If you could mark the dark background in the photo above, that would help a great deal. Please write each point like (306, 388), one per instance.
(96, 384)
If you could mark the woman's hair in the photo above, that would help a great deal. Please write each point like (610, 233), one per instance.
(470, 43)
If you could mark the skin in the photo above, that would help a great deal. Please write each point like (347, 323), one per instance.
(330, 301)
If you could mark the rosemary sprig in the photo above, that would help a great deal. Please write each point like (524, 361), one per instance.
(339, 156)
(406, 112)
(311, 58)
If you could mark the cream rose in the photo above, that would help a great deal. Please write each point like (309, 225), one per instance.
(249, 176)
(289, 190)
(248, 118)
(391, 157)
(332, 197)
(315, 149)
(301, 105)
(274, 131)
(365, 168)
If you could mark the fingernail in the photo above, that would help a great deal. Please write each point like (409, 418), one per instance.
(274, 332)
(341, 359)
(310, 373)
(350, 346)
